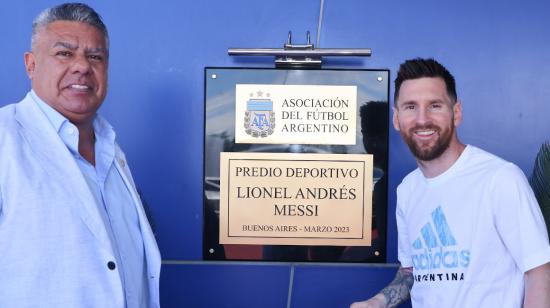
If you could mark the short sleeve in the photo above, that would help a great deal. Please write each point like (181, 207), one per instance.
(518, 218)
(403, 243)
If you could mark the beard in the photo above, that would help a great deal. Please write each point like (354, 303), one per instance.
(427, 151)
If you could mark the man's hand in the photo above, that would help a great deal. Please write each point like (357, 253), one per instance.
(394, 294)
(378, 301)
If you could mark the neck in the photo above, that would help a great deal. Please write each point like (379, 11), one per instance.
(442, 163)
(86, 142)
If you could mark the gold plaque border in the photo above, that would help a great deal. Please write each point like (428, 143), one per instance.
(366, 225)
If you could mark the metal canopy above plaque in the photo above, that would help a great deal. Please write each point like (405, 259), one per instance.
(295, 164)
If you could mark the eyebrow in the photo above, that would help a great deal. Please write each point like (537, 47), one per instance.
(75, 47)
(411, 102)
(65, 45)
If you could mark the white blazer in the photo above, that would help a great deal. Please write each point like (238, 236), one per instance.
(54, 247)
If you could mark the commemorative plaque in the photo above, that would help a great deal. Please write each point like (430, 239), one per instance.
(295, 164)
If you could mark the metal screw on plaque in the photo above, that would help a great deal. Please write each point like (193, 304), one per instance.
(211, 250)
(214, 76)
(376, 253)
(380, 78)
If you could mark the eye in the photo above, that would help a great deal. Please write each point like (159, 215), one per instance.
(63, 53)
(97, 58)
(409, 107)
(436, 106)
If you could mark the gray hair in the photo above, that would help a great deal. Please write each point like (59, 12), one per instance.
(79, 12)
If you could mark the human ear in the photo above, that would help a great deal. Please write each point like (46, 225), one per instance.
(30, 64)
(395, 119)
(457, 113)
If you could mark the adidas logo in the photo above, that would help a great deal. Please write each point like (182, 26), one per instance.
(438, 245)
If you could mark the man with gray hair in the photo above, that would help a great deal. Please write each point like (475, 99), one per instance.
(73, 231)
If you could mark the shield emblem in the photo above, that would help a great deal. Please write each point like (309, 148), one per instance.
(259, 118)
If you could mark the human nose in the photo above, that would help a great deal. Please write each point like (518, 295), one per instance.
(81, 64)
(422, 116)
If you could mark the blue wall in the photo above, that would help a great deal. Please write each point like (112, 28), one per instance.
(499, 52)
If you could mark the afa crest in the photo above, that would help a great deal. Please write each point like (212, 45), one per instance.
(259, 118)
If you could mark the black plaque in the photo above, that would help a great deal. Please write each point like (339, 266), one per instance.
(371, 137)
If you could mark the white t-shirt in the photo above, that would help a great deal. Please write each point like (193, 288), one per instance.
(470, 233)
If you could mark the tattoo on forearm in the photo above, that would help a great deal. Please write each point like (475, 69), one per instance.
(398, 290)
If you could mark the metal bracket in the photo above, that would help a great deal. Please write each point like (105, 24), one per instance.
(299, 56)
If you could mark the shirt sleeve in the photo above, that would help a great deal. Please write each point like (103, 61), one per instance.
(403, 243)
(519, 219)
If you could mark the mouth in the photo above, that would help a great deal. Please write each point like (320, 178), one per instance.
(424, 133)
(80, 87)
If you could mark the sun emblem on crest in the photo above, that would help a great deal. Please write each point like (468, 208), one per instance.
(259, 117)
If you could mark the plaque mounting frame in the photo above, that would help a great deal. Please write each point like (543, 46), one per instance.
(300, 55)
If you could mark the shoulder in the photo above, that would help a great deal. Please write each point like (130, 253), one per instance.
(492, 164)
(509, 177)
(408, 183)
(10, 113)
(8, 139)
(499, 176)
(8, 124)
(487, 164)
(7, 114)
(413, 176)
(477, 155)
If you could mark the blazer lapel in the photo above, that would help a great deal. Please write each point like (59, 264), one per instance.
(59, 163)
(152, 253)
